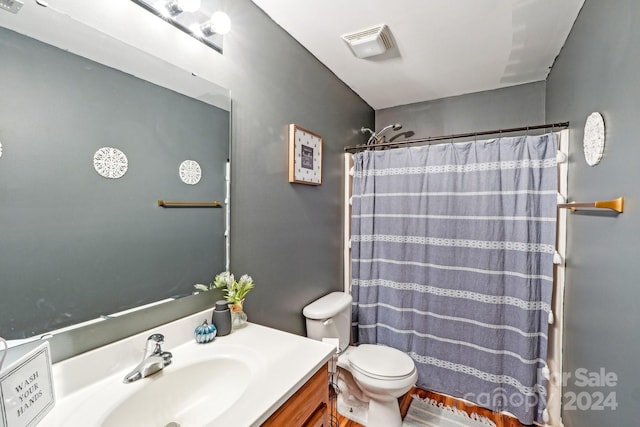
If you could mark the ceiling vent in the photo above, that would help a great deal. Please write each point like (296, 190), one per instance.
(370, 42)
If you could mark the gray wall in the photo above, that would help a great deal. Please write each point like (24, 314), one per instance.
(286, 236)
(597, 70)
(74, 244)
(503, 108)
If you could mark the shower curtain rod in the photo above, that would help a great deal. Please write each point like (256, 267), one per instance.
(430, 139)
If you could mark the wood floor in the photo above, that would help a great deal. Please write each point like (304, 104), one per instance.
(499, 419)
(345, 422)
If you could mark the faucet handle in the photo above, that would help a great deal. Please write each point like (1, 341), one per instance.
(154, 345)
(159, 338)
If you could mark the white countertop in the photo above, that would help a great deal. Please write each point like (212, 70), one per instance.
(89, 386)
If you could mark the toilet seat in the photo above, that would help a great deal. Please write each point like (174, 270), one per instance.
(381, 362)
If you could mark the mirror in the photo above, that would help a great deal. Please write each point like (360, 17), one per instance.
(78, 247)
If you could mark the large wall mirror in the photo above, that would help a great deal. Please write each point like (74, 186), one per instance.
(78, 247)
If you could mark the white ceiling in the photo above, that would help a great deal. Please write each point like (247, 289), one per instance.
(444, 47)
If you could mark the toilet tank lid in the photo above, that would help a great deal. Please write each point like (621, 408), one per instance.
(327, 306)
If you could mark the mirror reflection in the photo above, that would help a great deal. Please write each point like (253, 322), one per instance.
(79, 244)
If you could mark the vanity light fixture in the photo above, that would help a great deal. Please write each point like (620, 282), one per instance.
(12, 6)
(218, 24)
(176, 7)
(195, 17)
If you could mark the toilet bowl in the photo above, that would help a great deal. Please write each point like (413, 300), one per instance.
(380, 375)
(371, 377)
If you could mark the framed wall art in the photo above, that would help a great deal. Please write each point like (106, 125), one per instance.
(305, 156)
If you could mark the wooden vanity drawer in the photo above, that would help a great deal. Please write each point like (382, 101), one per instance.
(307, 407)
(320, 418)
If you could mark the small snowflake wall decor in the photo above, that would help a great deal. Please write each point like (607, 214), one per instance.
(190, 172)
(110, 162)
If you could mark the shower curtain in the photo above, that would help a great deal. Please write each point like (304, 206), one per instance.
(452, 262)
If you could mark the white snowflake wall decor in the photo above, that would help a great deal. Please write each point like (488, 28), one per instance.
(110, 162)
(593, 140)
(190, 172)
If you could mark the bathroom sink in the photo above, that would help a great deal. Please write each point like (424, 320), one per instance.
(238, 380)
(192, 395)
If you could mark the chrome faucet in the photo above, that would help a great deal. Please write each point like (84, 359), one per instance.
(153, 360)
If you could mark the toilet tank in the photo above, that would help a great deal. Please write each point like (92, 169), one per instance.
(330, 317)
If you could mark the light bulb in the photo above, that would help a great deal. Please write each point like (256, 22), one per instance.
(189, 5)
(220, 23)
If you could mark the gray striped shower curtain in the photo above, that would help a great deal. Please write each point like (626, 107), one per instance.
(452, 262)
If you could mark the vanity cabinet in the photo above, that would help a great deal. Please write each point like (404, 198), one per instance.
(308, 407)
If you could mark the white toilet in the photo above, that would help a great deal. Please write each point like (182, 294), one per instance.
(371, 377)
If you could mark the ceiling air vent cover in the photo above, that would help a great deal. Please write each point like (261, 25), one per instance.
(370, 42)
